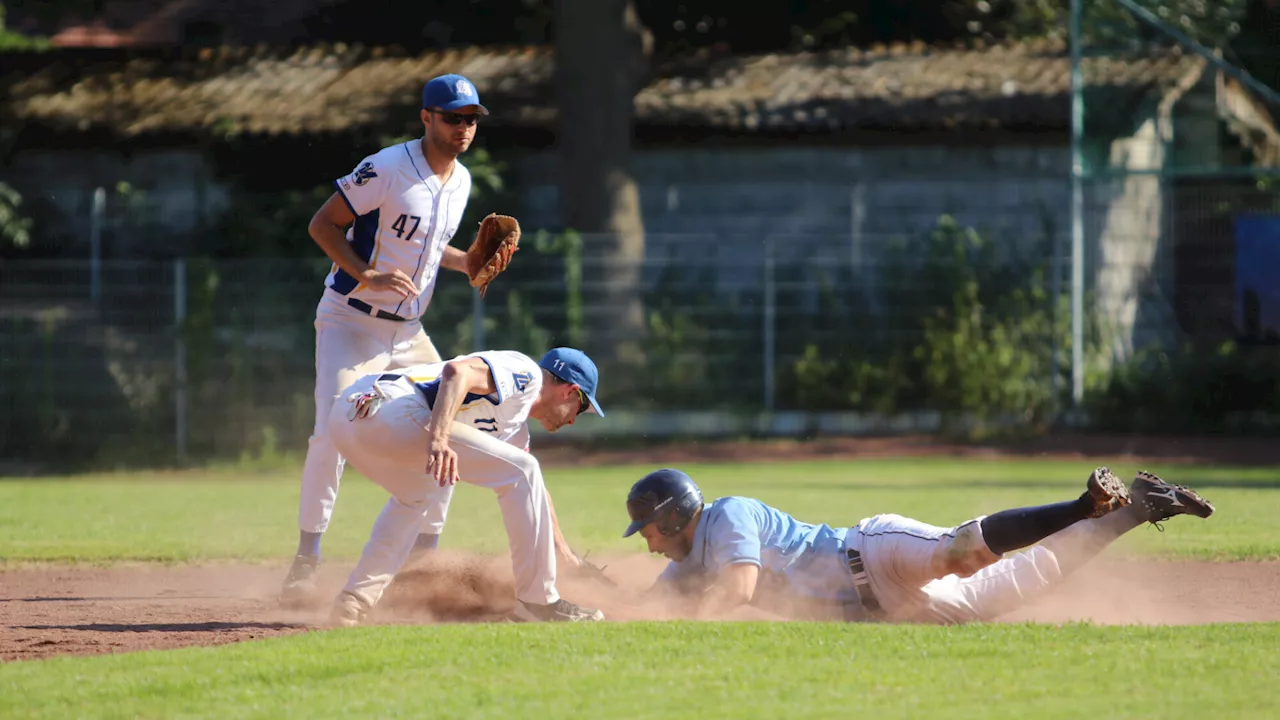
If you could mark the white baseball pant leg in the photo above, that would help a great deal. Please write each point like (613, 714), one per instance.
(390, 447)
(902, 556)
(1017, 579)
(349, 344)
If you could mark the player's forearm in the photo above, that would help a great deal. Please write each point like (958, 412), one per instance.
(458, 378)
(449, 397)
(718, 602)
(454, 259)
(333, 240)
(562, 545)
(735, 588)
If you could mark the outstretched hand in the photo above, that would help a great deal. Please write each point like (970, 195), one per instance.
(442, 463)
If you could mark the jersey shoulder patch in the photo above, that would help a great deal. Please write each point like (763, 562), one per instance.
(521, 380)
(364, 173)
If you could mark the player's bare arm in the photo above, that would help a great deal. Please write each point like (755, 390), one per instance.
(454, 259)
(469, 375)
(328, 228)
(733, 588)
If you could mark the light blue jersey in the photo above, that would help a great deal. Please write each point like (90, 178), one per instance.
(795, 558)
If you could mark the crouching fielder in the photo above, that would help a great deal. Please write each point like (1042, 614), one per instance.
(888, 568)
(418, 435)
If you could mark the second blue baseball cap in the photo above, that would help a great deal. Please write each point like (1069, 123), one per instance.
(451, 92)
(573, 366)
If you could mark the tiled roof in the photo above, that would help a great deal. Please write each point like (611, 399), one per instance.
(339, 88)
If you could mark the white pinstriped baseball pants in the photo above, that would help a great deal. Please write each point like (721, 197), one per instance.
(350, 344)
(897, 552)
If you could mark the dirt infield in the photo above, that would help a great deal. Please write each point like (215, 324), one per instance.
(71, 611)
(48, 612)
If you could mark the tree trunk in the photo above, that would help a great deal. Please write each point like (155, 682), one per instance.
(602, 57)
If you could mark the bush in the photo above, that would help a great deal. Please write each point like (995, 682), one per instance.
(964, 332)
(1196, 388)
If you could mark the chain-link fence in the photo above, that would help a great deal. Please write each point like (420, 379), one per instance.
(780, 334)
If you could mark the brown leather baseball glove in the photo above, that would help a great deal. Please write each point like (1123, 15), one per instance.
(496, 241)
(590, 571)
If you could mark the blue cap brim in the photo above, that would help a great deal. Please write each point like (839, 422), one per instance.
(461, 103)
(595, 405)
(633, 528)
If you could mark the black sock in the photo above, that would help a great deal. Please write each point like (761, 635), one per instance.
(309, 543)
(1012, 529)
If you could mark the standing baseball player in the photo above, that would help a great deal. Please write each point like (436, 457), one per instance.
(387, 229)
(739, 551)
(418, 434)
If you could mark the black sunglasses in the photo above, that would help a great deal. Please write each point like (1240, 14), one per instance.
(453, 118)
(583, 403)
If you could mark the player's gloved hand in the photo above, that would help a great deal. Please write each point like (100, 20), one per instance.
(395, 280)
(490, 252)
(567, 557)
(365, 404)
(442, 462)
(590, 571)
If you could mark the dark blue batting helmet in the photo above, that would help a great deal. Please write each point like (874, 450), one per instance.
(668, 498)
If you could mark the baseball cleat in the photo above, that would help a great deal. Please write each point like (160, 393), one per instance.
(558, 611)
(1107, 492)
(300, 584)
(348, 610)
(1159, 500)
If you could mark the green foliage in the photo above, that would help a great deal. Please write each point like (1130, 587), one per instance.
(1222, 387)
(569, 245)
(989, 353)
(828, 383)
(510, 325)
(966, 332)
(266, 224)
(982, 338)
(15, 42)
(15, 227)
(701, 349)
(11, 41)
(676, 366)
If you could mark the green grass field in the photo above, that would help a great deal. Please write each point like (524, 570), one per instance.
(642, 670)
(677, 670)
(215, 515)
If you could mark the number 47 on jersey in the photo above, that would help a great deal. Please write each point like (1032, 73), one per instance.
(402, 221)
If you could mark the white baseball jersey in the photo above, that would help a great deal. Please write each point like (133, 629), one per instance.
(504, 413)
(404, 220)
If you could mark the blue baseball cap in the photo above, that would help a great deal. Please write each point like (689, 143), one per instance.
(573, 366)
(451, 92)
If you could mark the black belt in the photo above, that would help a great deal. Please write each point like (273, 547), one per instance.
(862, 583)
(368, 309)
